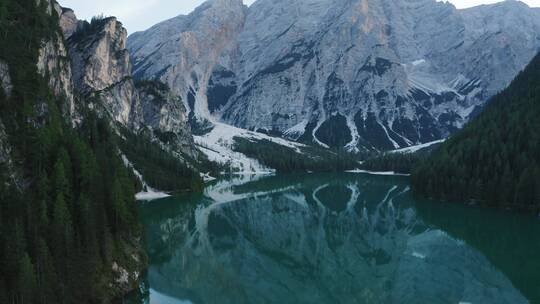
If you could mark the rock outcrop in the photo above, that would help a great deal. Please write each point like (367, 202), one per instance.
(185, 51)
(101, 68)
(359, 74)
(54, 64)
(6, 161)
(102, 75)
(69, 22)
(164, 114)
(5, 79)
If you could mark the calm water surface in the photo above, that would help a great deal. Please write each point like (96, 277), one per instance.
(346, 238)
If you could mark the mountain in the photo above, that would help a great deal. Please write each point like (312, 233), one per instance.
(102, 70)
(364, 75)
(186, 50)
(495, 159)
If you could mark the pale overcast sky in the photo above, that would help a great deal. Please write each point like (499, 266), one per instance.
(139, 15)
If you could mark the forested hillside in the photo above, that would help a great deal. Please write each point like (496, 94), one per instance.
(287, 160)
(495, 159)
(68, 222)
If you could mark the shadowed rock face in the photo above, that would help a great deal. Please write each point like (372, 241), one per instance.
(281, 240)
(411, 71)
(54, 64)
(5, 79)
(5, 147)
(164, 114)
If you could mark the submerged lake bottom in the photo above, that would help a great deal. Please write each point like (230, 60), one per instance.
(333, 238)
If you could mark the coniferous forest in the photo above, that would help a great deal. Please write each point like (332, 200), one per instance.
(67, 211)
(397, 162)
(159, 168)
(495, 159)
(287, 160)
(70, 231)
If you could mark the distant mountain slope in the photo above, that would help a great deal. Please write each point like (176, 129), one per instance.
(496, 158)
(359, 74)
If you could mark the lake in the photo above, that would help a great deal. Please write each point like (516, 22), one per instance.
(334, 238)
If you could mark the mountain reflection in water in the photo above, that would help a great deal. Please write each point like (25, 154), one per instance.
(319, 238)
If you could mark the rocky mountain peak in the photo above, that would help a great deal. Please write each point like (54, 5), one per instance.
(69, 22)
(379, 74)
(101, 66)
(102, 74)
(188, 49)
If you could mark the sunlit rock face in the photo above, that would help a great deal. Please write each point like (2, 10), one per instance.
(102, 75)
(101, 67)
(184, 52)
(69, 22)
(376, 74)
(348, 240)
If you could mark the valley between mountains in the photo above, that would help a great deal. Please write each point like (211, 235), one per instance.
(283, 102)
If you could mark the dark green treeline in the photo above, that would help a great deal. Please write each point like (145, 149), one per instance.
(495, 159)
(71, 213)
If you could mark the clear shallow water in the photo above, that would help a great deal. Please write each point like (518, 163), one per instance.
(346, 238)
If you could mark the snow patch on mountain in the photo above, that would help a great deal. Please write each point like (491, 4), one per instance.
(415, 71)
(417, 148)
(218, 146)
(352, 146)
(148, 193)
(296, 131)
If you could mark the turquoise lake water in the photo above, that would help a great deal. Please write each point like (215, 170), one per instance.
(334, 238)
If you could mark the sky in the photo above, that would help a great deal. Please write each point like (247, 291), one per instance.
(137, 15)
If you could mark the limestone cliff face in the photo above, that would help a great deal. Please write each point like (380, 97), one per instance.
(184, 52)
(6, 161)
(164, 114)
(377, 74)
(69, 22)
(54, 64)
(101, 68)
(102, 74)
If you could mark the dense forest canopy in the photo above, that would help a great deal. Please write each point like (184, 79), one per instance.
(495, 159)
(74, 216)
(286, 160)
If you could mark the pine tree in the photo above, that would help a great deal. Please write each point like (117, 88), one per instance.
(27, 281)
(3, 19)
(525, 192)
(4, 293)
(46, 276)
(497, 154)
(62, 234)
(61, 184)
